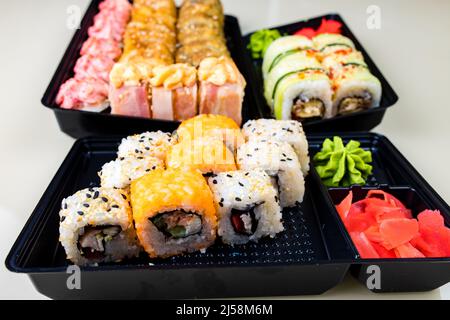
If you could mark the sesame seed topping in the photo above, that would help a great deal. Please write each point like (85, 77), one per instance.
(214, 181)
(80, 213)
(241, 184)
(124, 196)
(105, 199)
(63, 218)
(115, 206)
(96, 194)
(229, 175)
(88, 195)
(86, 205)
(221, 204)
(238, 199)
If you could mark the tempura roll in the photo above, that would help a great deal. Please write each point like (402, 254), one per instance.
(247, 206)
(174, 92)
(213, 126)
(174, 212)
(278, 160)
(289, 131)
(355, 88)
(221, 88)
(207, 155)
(96, 226)
(299, 88)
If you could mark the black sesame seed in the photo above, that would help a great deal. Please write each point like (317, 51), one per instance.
(256, 149)
(229, 175)
(136, 150)
(105, 199)
(154, 167)
(121, 158)
(222, 199)
(247, 173)
(80, 213)
(115, 206)
(249, 155)
(147, 148)
(214, 181)
(140, 158)
(88, 195)
(289, 159)
(221, 204)
(63, 218)
(241, 184)
(96, 194)
(141, 141)
(124, 196)
(284, 160)
(238, 199)
(86, 205)
(91, 189)
(284, 154)
(147, 170)
(65, 205)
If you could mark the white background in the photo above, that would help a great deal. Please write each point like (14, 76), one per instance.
(412, 49)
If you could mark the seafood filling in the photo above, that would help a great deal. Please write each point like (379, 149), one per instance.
(97, 242)
(305, 108)
(244, 222)
(355, 103)
(178, 223)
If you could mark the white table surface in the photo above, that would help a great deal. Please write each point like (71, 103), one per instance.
(412, 49)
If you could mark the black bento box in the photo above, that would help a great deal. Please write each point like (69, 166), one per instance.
(80, 124)
(358, 121)
(312, 255)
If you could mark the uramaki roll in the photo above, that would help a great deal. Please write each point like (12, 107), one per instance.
(97, 226)
(213, 126)
(174, 212)
(207, 155)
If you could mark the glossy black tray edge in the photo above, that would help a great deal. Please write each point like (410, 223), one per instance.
(360, 121)
(177, 281)
(80, 124)
(399, 275)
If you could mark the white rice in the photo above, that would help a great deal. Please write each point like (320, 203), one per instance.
(243, 190)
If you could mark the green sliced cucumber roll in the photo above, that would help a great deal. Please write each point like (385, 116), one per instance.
(327, 43)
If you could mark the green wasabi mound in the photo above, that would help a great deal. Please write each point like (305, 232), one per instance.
(260, 41)
(340, 165)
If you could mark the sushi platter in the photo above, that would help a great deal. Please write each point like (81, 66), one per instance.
(365, 119)
(211, 165)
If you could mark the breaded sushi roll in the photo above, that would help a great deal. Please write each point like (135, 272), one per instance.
(283, 47)
(204, 154)
(96, 225)
(221, 88)
(355, 88)
(289, 131)
(279, 161)
(121, 172)
(298, 88)
(174, 212)
(212, 126)
(327, 43)
(147, 144)
(174, 92)
(247, 206)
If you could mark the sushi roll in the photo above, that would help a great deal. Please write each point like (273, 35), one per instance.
(147, 144)
(120, 172)
(221, 88)
(279, 161)
(289, 131)
(96, 226)
(204, 154)
(247, 206)
(327, 43)
(174, 212)
(298, 88)
(214, 126)
(174, 92)
(355, 88)
(283, 47)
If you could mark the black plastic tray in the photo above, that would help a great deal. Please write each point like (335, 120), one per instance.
(311, 256)
(359, 121)
(79, 124)
(394, 174)
(301, 260)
